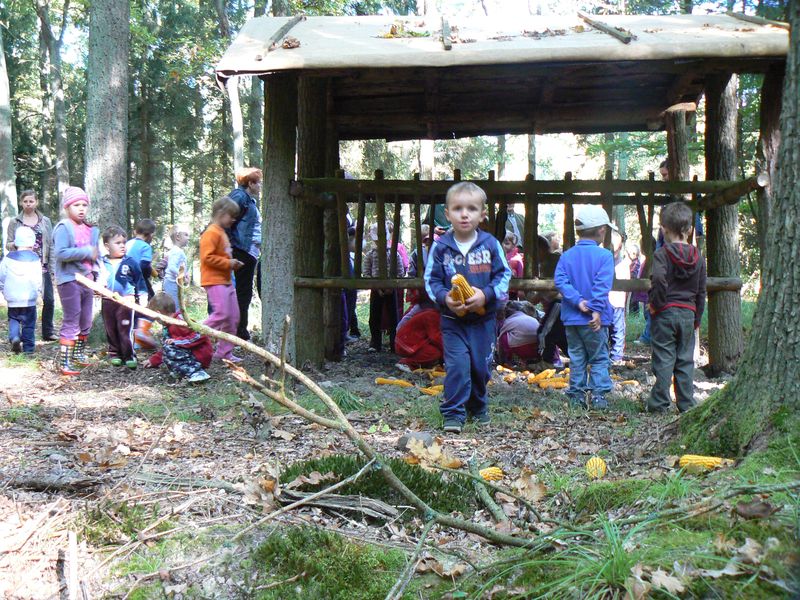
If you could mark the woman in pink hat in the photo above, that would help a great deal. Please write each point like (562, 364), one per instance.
(76, 251)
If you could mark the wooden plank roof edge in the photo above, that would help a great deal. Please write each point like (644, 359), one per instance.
(623, 35)
(757, 20)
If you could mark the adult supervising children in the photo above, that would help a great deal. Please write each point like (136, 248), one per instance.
(245, 239)
(584, 276)
(469, 339)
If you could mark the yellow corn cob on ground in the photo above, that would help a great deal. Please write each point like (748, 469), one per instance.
(696, 462)
(595, 467)
(544, 374)
(553, 384)
(491, 473)
(397, 382)
(629, 382)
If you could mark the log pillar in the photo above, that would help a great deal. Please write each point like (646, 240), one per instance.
(332, 262)
(309, 231)
(677, 143)
(278, 239)
(725, 338)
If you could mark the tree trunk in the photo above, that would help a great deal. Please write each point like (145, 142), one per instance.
(532, 154)
(145, 157)
(57, 89)
(232, 87)
(255, 109)
(622, 173)
(279, 236)
(8, 189)
(722, 238)
(426, 159)
(763, 397)
(48, 183)
(311, 149)
(767, 151)
(501, 156)
(107, 110)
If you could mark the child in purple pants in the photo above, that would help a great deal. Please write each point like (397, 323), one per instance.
(76, 251)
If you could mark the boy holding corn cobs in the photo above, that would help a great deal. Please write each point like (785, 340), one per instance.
(467, 276)
(584, 276)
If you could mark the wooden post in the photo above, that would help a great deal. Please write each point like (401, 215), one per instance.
(395, 239)
(608, 206)
(380, 219)
(725, 338)
(359, 252)
(677, 143)
(309, 256)
(418, 231)
(569, 218)
(530, 246)
(341, 214)
(279, 240)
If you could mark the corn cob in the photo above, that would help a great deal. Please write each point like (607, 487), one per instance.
(595, 467)
(694, 462)
(491, 473)
(553, 384)
(460, 283)
(629, 382)
(430, 391)
(546, 374)
(397, 382)
(510, 378)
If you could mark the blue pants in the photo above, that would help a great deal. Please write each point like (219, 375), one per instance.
(618, 334)
(645, 337)
(468, 350)
(587, 347)
(22, 325)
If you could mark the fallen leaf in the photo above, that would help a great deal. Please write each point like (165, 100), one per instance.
(313, 478)
(731, 569)
(662, 579)
(723, 544)
(528, 486)
(757, 509)
(430, 564)
(636, 588)
(283, 435)
(751, 552)
(427, 456)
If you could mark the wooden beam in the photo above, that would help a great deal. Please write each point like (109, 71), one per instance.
(569, 218)
(757, 20)
(272, 43)
(713, 284)
(623, 35)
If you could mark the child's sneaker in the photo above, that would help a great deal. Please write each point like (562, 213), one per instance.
(576, 402)
(453, 426)
(116, 362)
(483, 420)
(199, 376)
(16, 345)
(131, 364)
(599, 403)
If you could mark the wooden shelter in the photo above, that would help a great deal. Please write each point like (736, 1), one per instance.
(336, 78)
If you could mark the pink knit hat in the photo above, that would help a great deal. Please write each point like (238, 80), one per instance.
(72, 195)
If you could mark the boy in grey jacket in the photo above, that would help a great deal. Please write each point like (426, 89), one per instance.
(21, 283)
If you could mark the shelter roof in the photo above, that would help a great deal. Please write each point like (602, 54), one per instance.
(400, 78)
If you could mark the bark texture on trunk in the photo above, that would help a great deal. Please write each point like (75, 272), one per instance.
(279, 239)
(107, 111)
(311, 150)
(763, 399)
(232, 87)
(48, 183)
(8, 189)
(726, 341)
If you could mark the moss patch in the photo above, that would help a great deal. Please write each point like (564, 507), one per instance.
(445, 495)
(601, 496)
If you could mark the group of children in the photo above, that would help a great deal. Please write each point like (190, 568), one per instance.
(584, 277)
(125, 267)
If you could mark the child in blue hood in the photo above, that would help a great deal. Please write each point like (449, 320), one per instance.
(468, 340)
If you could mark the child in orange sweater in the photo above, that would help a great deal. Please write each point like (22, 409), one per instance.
(216, 265)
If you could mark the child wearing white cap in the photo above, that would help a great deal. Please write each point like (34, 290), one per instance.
(584, 276)
(21, 283)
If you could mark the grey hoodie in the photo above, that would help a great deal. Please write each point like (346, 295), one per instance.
(70, 259)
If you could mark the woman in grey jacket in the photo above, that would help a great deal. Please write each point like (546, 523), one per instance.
(32, 217)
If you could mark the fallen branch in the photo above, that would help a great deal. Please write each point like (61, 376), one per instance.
(366, 506)
(338, 423)
(405, 577)
(50, 483)
(483, 493)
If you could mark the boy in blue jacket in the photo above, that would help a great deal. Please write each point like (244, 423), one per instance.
(584, 276)
(123, 276)
(468, 340)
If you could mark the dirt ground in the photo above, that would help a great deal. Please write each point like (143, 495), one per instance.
(72, 447)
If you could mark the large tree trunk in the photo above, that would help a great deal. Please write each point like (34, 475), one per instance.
(532, 154)
(232, 87)
(763, 397)
(501, 157)
(57, 89)
(107, 110)
(8, 190)
(724, 308)
(48, 183)
(145, 154)
(255, 109)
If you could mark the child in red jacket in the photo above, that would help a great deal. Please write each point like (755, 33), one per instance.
(185, 352)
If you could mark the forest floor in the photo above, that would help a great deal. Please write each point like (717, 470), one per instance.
(103, 490)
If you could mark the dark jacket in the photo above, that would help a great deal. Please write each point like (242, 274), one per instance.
(124, 278)
(678, 280)
(241, 232)
(484, 267)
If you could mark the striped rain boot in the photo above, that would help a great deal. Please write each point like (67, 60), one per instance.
(79, 352)
(65, 365)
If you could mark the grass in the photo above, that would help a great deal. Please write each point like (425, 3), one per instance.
(334, 567)
(28, 414)
(187, 406)
(445, 495)
(114, 523)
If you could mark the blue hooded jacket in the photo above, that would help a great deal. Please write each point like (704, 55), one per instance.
(484, 267)
(585, 272)
(125, 277)
(241, 232)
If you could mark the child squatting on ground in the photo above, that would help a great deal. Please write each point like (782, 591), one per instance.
(216, 263)
(21, 282)
(75, 247)
(469, 339)
(677, 298)
(123, 276)
(185, 352)
(584, 276)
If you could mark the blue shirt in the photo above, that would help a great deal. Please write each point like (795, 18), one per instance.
(585, 272)
(123, 276)
(142, 253)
